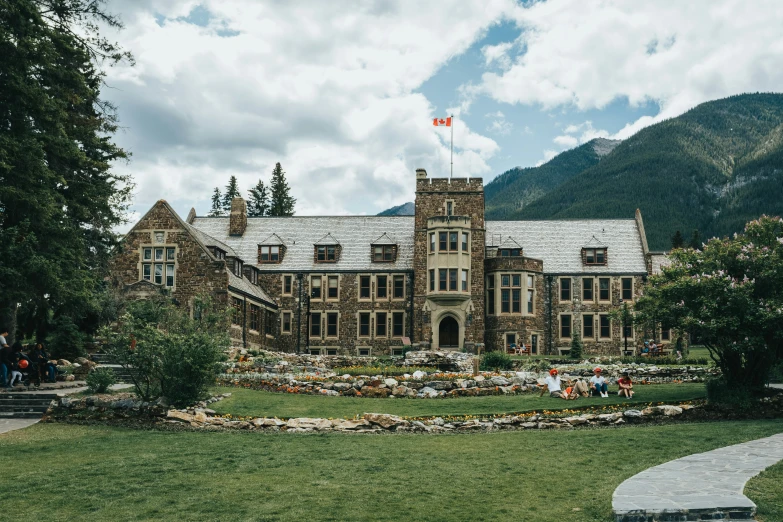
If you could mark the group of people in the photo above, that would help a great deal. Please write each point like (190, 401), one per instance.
(596, 386)
(16, 360)
(650, 349)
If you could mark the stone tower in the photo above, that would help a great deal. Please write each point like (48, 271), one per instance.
(448, 262)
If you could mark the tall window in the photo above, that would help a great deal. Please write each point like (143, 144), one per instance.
(530, 295)
(605, 326)
(627, 288)
(364, 287)
(286, 322)
(333, 288)
(287, 286)
(326, 254)
(269, 254)
(270, 321)
(364, 324)
(491, 295)
(255, 317)
(383, 253)
(449, 208)
(464, 280)
(565, 325)
(397, 324)
(399, 287)
(565, 289)
(158, 265)
(442, 275)
(443, 241)
(315, 287)
(587, 326)
(465, 242)
(380, 324)
(236, 312)
(432, 241)
(315, 324)
(453, 241)
(587, 289)
(331, 324)
(511, 293)
(666, 334)
(432, 280)
(603, 289)
(453, 279)
(381, 290)
(505, 300)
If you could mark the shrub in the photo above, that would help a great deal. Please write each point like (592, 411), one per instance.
(388, 371)
(167, 353)
(99, 380)
(576, 346)
(720, 392)
(65, 340)
(496, 360)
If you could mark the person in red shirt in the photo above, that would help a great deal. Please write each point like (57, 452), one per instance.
(626, 386)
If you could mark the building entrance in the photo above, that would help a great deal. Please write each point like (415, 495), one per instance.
(448, 333)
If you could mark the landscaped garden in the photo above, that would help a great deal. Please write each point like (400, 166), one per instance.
(246, 402)
(69, 472)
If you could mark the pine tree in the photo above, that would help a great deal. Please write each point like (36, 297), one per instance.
(232, 191)
(695, 240)
(282, 203)
(576, 346)
(217, 204)
(677, 240)
(258, 205)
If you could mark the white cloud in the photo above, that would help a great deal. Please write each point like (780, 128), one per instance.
(327, 89)
(677, 54)
(566, 141)
(586, 133)
(497, 54)
(548, 155)
(499, 125)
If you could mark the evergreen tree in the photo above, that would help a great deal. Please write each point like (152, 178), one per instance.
(576, 345)
(695, 240)
(282, 203)
(677, 240)
(259, 200)
(217, 204)
(61, 200)
(232, 191)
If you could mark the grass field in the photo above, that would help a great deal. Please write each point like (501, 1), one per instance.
(764, 489)
(68, 472)
(255, 403)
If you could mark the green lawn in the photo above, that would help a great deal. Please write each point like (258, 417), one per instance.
(764, 489)
(255, 403)
(63, 472)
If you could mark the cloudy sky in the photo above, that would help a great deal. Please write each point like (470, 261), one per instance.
(343, 93)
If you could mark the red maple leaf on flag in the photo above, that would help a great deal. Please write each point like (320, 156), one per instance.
(442, 122)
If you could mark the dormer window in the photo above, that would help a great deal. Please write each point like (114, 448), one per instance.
(510, 252)
(237, 267)
(219, 254)
(269, 254)
(384, 253)
(326, 254)
(253, 276)
(594, 256)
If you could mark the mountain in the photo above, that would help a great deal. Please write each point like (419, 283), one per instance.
(406, 209)
(516, 188)
(713, 168)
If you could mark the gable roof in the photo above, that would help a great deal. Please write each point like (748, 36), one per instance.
(509, 242)
(300, 233)
(384, 240)
(558, 243)
(273, 239)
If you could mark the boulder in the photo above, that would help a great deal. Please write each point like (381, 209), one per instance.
(352, 424)
(428, 393)
(576, 421)
(384, 420)
(308, 423)
(418, 374)
(439, 385)
(500, 381)
(391, 383)
(633, 414)
(341, 386)
(328, 392)
(267, 423)
(669, 410)
(200, 416)
(179, 415)
(400, 391)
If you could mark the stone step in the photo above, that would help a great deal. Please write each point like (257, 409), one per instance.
(21, 415)
(25, 402)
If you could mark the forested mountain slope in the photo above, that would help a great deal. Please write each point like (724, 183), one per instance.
(406, 209)
(516, 188)
(712, 169)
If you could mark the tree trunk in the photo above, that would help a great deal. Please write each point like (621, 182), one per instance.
(8, 320)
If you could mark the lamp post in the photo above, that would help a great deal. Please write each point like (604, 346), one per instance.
(625, 324)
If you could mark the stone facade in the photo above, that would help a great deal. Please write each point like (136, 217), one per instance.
(443, 279)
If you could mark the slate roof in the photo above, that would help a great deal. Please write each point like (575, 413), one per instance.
(243, 285)
(558, 243)
(354, 234)
(659, 260)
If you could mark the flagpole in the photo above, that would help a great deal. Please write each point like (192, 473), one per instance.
(451, 172)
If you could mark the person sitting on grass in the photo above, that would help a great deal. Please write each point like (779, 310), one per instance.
(626, 386)
(598, 384)
(552, 384)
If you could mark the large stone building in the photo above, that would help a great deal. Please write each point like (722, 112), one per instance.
(444, 278)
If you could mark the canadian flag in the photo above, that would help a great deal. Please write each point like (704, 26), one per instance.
(442, 122)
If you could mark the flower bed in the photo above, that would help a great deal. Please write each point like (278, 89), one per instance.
(386, 371)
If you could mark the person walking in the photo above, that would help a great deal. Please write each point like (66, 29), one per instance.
(598, 384)
(7, 359)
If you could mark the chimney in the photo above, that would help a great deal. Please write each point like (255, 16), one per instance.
(238, 219)
(421, 174)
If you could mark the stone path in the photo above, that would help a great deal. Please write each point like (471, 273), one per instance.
(706, 485)
(15, 424)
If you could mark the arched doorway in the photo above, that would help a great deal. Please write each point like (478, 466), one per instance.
(448, 333)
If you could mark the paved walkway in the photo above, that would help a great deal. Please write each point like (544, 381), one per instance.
(705, 483)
